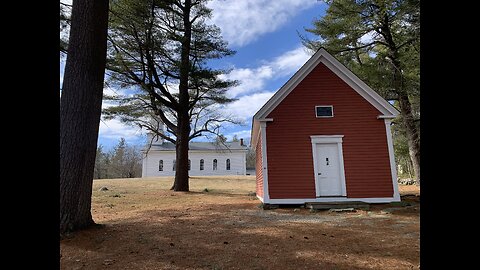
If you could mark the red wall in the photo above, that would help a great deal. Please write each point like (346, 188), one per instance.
(289, 148)
(259, 167)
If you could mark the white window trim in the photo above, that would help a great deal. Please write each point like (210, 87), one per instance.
(331, 106)
(328, 139)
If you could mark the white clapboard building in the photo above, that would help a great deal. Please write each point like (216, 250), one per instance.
(205, 158)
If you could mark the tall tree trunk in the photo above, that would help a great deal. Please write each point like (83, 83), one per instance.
(181, 170)
(412, 133)
(80, 111)
(183, 119)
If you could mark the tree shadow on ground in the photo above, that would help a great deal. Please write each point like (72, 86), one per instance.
(242, 236)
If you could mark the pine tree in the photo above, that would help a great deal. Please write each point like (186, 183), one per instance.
(80, 111)
(379, 41)
(161, 49)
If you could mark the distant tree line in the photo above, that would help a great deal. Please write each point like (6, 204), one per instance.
(123, 161)
(250, 158)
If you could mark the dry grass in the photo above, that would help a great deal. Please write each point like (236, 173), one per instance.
(147, 226)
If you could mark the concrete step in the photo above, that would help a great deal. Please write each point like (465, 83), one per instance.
(337, 205)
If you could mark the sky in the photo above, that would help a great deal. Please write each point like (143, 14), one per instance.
(268, 52)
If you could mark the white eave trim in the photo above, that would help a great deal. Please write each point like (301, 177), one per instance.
(256, 130)
(386, 116)
(265, 120)
(322, 56)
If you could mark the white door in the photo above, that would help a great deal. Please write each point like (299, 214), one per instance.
(328, 180)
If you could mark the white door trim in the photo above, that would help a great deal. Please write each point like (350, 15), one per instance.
(328, 139)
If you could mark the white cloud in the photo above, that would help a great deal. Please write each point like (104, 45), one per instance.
(114, 129)
(241, 134)
(367, 38)
(244, 21)
(246, 106)
(254, 79)
(109, 91)
(289, 62)
(250, 80)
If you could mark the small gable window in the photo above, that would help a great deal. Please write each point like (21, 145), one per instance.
(324, 111)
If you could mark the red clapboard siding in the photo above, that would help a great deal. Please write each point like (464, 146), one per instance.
(289, 151)
(259, 167)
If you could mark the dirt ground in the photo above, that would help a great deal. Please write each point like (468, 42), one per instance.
(219, 225)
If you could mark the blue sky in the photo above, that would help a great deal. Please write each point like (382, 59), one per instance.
(269, 52)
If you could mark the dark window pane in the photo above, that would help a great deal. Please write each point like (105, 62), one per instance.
(324, 111)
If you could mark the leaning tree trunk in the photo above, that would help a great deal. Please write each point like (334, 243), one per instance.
(412, 134)
(407, 118)
(80, 110)
(404, 102)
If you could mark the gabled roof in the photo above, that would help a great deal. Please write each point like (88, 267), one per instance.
(322, 56)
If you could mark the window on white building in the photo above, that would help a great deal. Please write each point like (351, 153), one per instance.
(160, 165)
(189, 165)
(202, 163)
(228, 164)
(214, 164)
(174, 163)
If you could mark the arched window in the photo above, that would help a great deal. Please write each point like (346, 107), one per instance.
(160, 165)
(214, 164)
(189, 165)
(228, 164)
(202, 163)
(174, 163)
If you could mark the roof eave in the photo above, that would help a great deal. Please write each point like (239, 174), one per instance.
(322, 56)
